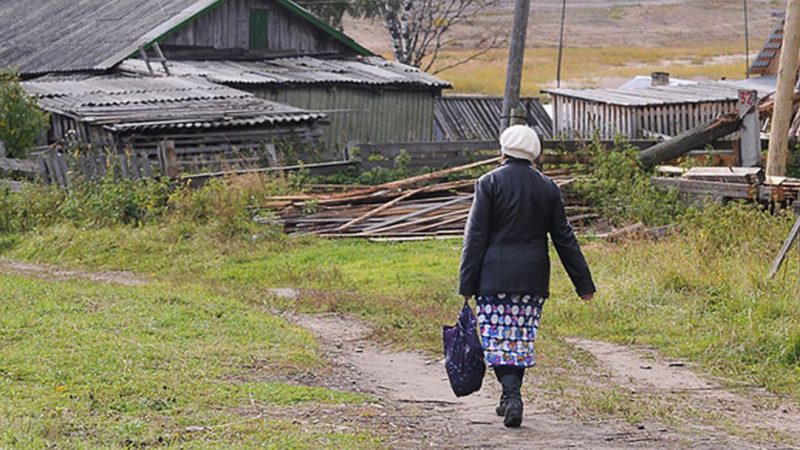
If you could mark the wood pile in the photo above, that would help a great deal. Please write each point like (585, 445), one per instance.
(726, 183)
(429, 206)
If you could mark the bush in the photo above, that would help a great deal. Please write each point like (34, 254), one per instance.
(623, 192)
(226, 205)
(20, 120)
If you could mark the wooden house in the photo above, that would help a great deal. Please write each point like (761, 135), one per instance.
(766, 62)
(272, 50)
(656, 110)
(123, 112)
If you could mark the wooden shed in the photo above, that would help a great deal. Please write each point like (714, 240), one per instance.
(637, 113)
(121, 112)
(273, 49)
(366, 98)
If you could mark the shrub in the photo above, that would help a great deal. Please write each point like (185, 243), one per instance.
(622, 191)
(20, 120)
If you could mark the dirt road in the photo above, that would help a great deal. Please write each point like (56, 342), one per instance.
(416, 389)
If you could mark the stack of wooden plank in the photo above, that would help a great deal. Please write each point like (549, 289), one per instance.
(428, 206)
(715, 182)
(723, 183)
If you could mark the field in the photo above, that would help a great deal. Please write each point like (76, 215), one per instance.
(592, 67)
(606, 43)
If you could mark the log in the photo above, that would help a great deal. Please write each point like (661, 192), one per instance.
(695, 138)
(787, 245)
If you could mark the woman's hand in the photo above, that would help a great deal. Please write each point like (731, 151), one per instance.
(587, 297)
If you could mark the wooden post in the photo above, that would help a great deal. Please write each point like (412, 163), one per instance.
(2, 149)
(516, 56)
(750, 133)
(787, 77)
(168, 159)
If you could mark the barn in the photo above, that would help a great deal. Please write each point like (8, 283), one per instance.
(274, 51)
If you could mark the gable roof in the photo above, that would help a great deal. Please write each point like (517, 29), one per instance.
(42, 36)
(770, 50)
(132, 103)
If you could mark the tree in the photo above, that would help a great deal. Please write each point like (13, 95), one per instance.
(21, 121)
(419, 29)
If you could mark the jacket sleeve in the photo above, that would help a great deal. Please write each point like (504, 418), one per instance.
(568, 249)
(476, 238)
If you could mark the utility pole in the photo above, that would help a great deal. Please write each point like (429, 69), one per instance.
(746, 42)
(561, 42)
(787, 77)
(516, 56)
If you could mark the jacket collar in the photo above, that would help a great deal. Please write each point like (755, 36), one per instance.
(512, 160)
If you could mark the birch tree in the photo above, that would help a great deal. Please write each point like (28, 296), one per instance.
(420, 29)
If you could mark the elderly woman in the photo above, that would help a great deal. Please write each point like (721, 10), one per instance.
(505, 261)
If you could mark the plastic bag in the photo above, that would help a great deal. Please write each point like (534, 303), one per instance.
(463, 354)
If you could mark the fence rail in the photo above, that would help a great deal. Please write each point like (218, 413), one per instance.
(453, 153)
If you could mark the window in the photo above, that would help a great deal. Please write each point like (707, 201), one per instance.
(258, 29)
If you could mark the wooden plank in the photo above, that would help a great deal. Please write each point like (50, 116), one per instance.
(420, 212)
(19, 165)
(711, 188)
(787, 245)
(318, 168)
(11, 185)
(147, 167)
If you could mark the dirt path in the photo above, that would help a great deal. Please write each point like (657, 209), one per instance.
(55, 273)
(416, 393)
(750, 409)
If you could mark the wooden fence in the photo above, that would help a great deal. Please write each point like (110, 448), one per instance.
(454, 153)
(53, 166)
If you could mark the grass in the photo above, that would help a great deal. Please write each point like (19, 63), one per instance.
(486, 74)
(88, 365)
(700, 295)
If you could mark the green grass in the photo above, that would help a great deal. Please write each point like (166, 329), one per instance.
(88, 365)
(700, 295)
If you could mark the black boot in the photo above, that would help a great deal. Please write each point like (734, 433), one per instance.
(510, 406)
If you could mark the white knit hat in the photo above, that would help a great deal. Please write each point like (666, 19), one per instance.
(520, 141)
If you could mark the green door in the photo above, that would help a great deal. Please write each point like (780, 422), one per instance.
(258, 29)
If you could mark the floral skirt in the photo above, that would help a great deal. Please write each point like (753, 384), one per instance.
(508, 324)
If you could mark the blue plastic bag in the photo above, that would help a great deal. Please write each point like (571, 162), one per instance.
(463, 354)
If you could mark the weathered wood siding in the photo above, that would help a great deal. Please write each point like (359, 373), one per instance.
(228, 27)
(580, 119)
(363, 114)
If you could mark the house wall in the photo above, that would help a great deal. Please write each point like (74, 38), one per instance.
(362, 114)
(227, 27)
(579, 119)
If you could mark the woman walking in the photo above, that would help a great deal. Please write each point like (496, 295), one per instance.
(505, 262)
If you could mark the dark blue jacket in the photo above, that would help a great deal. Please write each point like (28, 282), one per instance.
(505, 243)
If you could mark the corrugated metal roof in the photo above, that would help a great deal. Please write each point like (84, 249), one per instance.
(655, 95)
(41, 36)
(125, 103)
(45, 35)
(467, 118)
(297, 70)
(770, 50)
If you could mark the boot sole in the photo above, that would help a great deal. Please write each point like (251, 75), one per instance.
(512, 420)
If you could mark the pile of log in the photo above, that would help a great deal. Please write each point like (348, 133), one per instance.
(430, 206)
